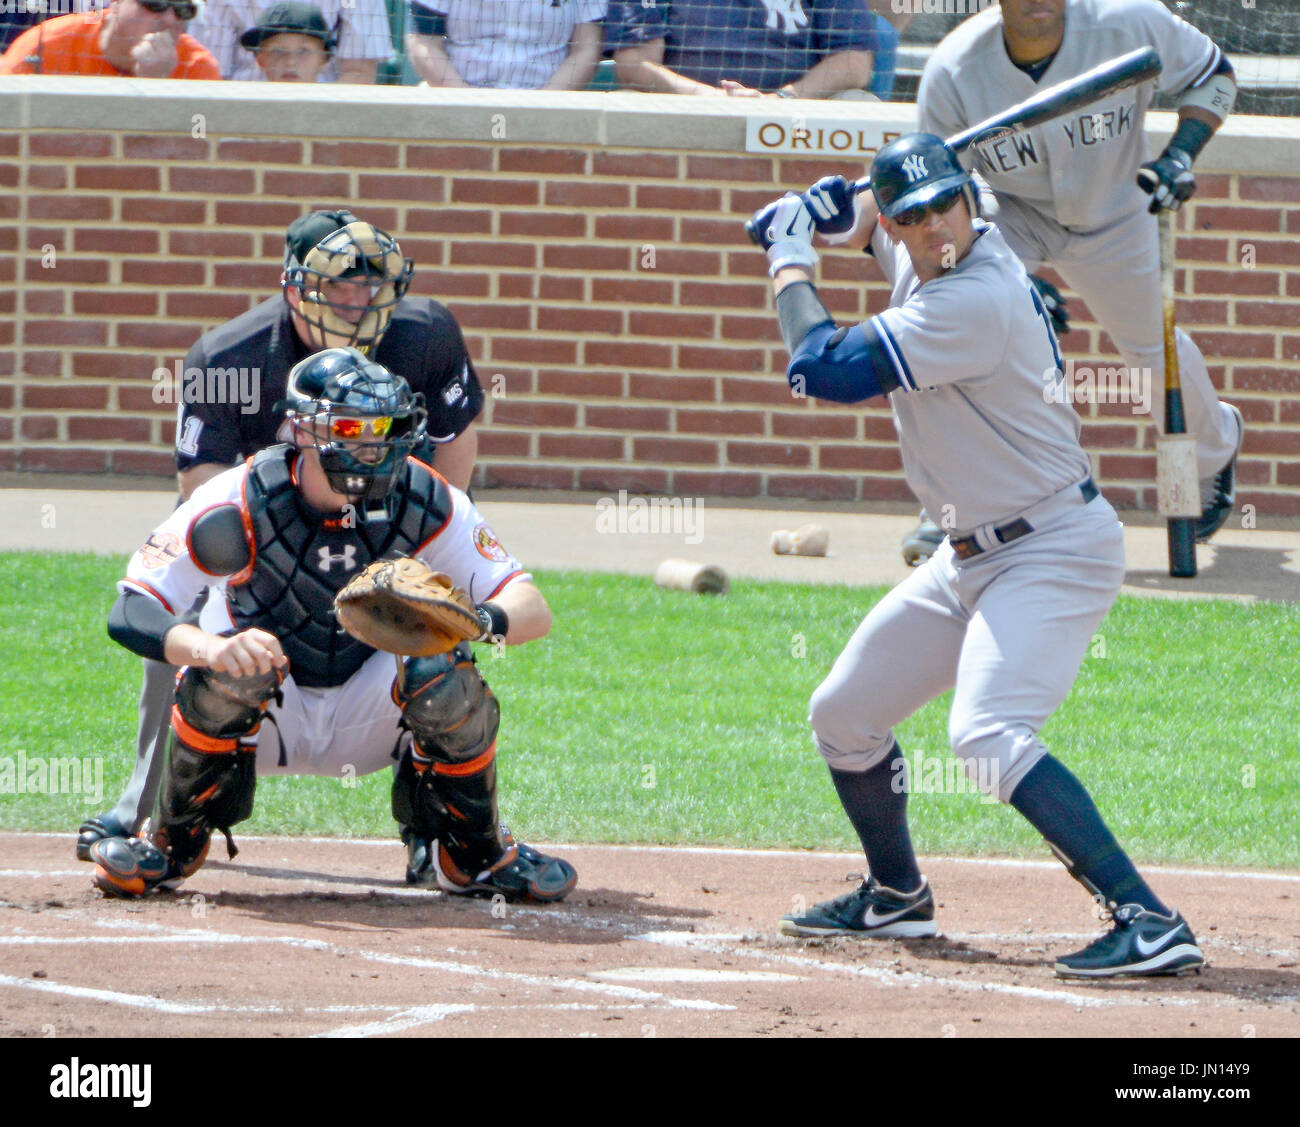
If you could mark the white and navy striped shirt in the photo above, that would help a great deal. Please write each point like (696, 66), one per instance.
(510, 44)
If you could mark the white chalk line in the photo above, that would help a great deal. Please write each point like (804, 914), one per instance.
(627, 993)
(719, 946)
(138, 1001)
(729, 851)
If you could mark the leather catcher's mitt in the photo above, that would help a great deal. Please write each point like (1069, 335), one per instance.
(403, 607)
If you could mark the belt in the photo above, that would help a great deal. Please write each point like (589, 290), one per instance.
(968, 547)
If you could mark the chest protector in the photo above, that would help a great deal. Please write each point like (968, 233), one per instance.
(302, 558)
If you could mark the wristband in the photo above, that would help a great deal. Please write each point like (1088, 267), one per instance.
(496, 623)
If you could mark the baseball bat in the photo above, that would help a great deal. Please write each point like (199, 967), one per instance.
(1177, 487)
(1107, 78)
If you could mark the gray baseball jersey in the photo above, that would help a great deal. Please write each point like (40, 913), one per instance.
(977, 360)
(1078, 169)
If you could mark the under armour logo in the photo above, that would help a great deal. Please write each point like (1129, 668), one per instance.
(356, 484)
(326, 559)
(914, 168)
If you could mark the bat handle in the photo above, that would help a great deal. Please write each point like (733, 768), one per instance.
(755, 224)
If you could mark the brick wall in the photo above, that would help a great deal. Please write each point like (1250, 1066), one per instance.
(617, 316)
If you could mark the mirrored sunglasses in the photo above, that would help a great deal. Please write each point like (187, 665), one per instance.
(352, 429)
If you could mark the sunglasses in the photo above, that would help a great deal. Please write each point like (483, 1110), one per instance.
(940, 205)
(185, 9)
(352, 429)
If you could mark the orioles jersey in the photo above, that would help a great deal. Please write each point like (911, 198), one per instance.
(294, 559)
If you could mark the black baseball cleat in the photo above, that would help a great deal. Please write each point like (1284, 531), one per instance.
(130, 867)
(1219, 492)
(870, 911)
(922, 542)
(1141, 943)
(523, 873)
(96, 829)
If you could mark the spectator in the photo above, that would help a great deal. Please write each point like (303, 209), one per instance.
(142, 38)
(18, 16)
(360, 29)
(292, 42)
(743, 48)
(529, 45)
(890, 24)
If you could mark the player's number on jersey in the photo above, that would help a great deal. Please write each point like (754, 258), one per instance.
(1047, 324)
(188, 440)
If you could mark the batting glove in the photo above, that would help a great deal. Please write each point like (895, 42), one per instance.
(1168, 180)
(833, 204)
(1054, 303)
(786, 228)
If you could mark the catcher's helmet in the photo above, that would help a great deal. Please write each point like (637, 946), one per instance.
(363, 419)
(328, 247)
(914, 169)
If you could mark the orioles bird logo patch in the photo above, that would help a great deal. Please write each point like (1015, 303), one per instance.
(489, 547)
(160, 550)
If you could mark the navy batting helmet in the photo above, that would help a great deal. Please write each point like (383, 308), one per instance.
(913, 170)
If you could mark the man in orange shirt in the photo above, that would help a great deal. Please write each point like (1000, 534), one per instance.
(142, 38)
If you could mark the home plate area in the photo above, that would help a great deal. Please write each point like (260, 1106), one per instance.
(308, 937)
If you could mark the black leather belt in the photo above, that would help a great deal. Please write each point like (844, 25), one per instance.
(966, 547)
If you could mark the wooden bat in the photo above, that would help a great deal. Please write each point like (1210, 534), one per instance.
(1178, 491)
(1118, 74)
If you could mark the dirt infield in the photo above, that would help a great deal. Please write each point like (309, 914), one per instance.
(306, 937)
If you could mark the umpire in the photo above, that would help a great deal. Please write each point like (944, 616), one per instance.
(344, 283)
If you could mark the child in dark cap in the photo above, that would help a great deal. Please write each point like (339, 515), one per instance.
(292, 42)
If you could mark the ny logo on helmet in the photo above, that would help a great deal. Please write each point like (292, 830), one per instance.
(326, 559)
(914, 168)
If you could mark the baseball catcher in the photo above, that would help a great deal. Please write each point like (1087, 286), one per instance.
(337, 519)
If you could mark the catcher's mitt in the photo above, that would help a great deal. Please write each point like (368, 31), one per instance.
(402, 607)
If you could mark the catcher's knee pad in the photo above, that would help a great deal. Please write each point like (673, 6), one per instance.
(445, 785)
(447, 706)
(209, 777)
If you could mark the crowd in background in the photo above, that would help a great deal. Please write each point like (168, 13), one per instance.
(729, 48)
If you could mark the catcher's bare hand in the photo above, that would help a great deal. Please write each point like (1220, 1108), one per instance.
(246, 654)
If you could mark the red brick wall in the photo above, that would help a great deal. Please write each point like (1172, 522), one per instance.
(617, 316)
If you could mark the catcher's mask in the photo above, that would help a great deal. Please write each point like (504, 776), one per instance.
(348, 275)
(362, 419)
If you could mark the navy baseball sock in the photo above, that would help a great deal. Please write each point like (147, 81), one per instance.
(1058, 807)
(878, 812)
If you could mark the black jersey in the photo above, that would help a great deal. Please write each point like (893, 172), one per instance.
(235, 375)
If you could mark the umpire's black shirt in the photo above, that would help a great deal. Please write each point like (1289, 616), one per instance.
(423, 344)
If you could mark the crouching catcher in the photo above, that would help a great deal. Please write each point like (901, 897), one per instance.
(271, 685)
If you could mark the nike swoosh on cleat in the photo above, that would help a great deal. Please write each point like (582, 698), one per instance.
(1145, 948)
(873, 919)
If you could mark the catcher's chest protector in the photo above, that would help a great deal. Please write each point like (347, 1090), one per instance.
(301, 562)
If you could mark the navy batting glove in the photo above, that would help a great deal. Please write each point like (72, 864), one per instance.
(1168, 180)
(1054, 303)
(832, 203)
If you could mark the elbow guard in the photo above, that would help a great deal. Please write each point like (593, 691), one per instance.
(140, 623)
(838, 364)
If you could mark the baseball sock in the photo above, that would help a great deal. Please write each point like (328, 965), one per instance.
(1058, 807)
(878, 812)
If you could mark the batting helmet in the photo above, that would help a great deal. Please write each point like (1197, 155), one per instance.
(363, 419)
(913, 170)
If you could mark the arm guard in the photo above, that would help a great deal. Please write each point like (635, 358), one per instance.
(140, 623)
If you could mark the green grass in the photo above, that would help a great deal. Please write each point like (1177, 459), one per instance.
(652, 716)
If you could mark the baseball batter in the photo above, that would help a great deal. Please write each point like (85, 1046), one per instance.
(1004, 610)
(269, 683)
(1080, 193)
